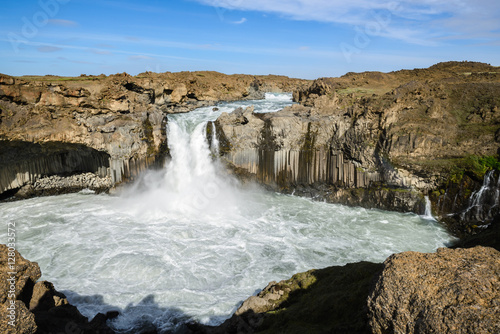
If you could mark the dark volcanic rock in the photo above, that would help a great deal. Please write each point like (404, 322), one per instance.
(451, 291)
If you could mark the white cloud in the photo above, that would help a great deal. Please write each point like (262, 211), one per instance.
(243, 20)
(412, 21)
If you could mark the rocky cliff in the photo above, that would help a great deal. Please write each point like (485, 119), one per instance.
(382, 140)
(112, 126)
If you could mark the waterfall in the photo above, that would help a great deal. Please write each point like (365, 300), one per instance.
(482, 204)
(428, 209)
(215, 141)
(192, 181)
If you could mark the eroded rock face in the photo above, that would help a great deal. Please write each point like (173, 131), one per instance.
(17, 278)
(451, 291)
(373, 139)
(28, 306)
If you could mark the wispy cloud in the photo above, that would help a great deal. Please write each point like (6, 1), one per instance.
(106, 46)
(132, 38)
(48, 48)
(412, 21)
(64, 23)
(243, 20)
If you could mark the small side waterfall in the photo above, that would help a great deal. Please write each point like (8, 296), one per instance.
(428, 209)
(484, 203)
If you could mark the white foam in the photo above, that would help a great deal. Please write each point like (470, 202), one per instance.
(287, 97)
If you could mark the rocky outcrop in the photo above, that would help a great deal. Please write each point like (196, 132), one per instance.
(314, 153)
(112, 126)
(29, 306)
(381, 140)
(451, 291)
(330, 300)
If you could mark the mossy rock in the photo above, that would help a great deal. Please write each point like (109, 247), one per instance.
(330, 300)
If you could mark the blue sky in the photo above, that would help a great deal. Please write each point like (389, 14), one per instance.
(297, 38)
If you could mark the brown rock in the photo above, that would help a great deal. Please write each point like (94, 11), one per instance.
(451, 291)
(45, 297)
(109, 115)
(49, 311)
(24, 322)
(23, 274)
(26, 273)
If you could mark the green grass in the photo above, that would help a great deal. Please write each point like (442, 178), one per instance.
(479, 166)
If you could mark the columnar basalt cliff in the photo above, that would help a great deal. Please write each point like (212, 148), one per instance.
(382, 140)
(112, 126)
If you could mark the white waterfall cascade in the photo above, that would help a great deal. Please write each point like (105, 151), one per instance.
(482, 203)
(215, 141)
(428, 209)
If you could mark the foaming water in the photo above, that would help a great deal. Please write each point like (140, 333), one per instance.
(190, 243)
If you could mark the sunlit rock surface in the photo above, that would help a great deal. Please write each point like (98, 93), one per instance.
(451, 291)
(382, 140)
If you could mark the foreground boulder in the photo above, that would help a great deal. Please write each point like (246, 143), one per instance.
(28, 306)
(451, 291)
(329, 300)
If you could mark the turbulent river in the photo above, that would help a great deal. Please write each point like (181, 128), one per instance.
(190, 243)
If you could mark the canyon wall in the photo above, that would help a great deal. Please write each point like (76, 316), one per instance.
(112, 126)
(381, 140)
